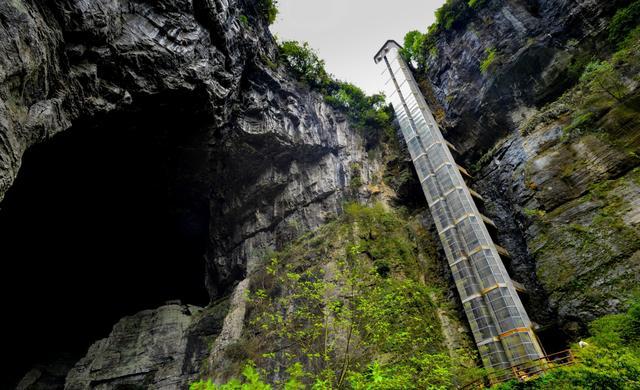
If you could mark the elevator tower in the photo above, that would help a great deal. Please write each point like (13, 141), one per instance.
(502, 330)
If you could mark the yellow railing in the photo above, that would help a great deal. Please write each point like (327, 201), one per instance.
(525, 371)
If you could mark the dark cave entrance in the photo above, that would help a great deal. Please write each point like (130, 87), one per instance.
(100, 223)
(553, 339)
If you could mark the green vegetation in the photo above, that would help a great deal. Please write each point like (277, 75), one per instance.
(625, 20)
(269, 9)
(356, 177)
(603, 89)
(579, 123)
(454, 11)
(475, 4)
(353, 305)
(305, 64)
(578, 63)
(413, 47)
(534, 213)
(611, 359)
(602, 77)
(489, 60)
(601, 241)
(244, 20)
(452, 14)
(367, 113)
(251, 380)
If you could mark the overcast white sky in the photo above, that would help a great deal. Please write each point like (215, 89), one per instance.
(347, 33)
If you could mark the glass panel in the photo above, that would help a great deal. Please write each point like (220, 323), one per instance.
(505, 310)
(493, 355)
(440, 215)
(422, 167)
(465, 281)
(479, 319)
(415, 148)
(451, 245)
(520, 347)
(437, 155)
(445, 177)
(430, 188)
(472, 233)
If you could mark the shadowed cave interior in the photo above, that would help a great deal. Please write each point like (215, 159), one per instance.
(100, 223)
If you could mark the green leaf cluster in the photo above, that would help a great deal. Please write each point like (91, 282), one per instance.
(452, 11)
(455, 13)
(489, 60)
(418, 46)
(252, 380)
(476, 3)
(603, 87)
(350, 307)
(625, 20)
(367, 113)
(269, 9)
(603, 77)
(413, 47)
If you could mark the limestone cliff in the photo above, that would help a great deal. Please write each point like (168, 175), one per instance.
(553, 158)
(256, 158)
(252, 159)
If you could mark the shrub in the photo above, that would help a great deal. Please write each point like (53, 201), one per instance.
(475, 4)
(579, 122)
(244, 20)
(368, 113)
(251, 380)
(452, 12)
(488, 60)
(269, 9)
(413, 49)
(625, 20)
(632, 331)
(602, 77)
(611, 359)
(304, 63)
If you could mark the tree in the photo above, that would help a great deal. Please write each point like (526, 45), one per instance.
(269, 9)
(413, 49)
(602, 77)
(304, 62)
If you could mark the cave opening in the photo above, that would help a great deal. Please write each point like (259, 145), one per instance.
(101, 222)
(553, 338)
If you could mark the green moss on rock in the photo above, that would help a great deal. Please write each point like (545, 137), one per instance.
(586, 253)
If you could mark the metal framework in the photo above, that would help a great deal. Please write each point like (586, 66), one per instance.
(500, 325)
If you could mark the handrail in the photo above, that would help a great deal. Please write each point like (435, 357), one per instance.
(524, 372)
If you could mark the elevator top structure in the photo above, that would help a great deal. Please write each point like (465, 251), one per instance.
(500, 325)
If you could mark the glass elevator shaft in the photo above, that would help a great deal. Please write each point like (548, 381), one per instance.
(502, 330)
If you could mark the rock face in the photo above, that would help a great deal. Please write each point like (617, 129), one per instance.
(260, 137)
(260, 157)
(535, 42)
(152, 347)
(563, 193)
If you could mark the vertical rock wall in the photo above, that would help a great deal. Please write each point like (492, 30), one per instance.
(564, 200)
